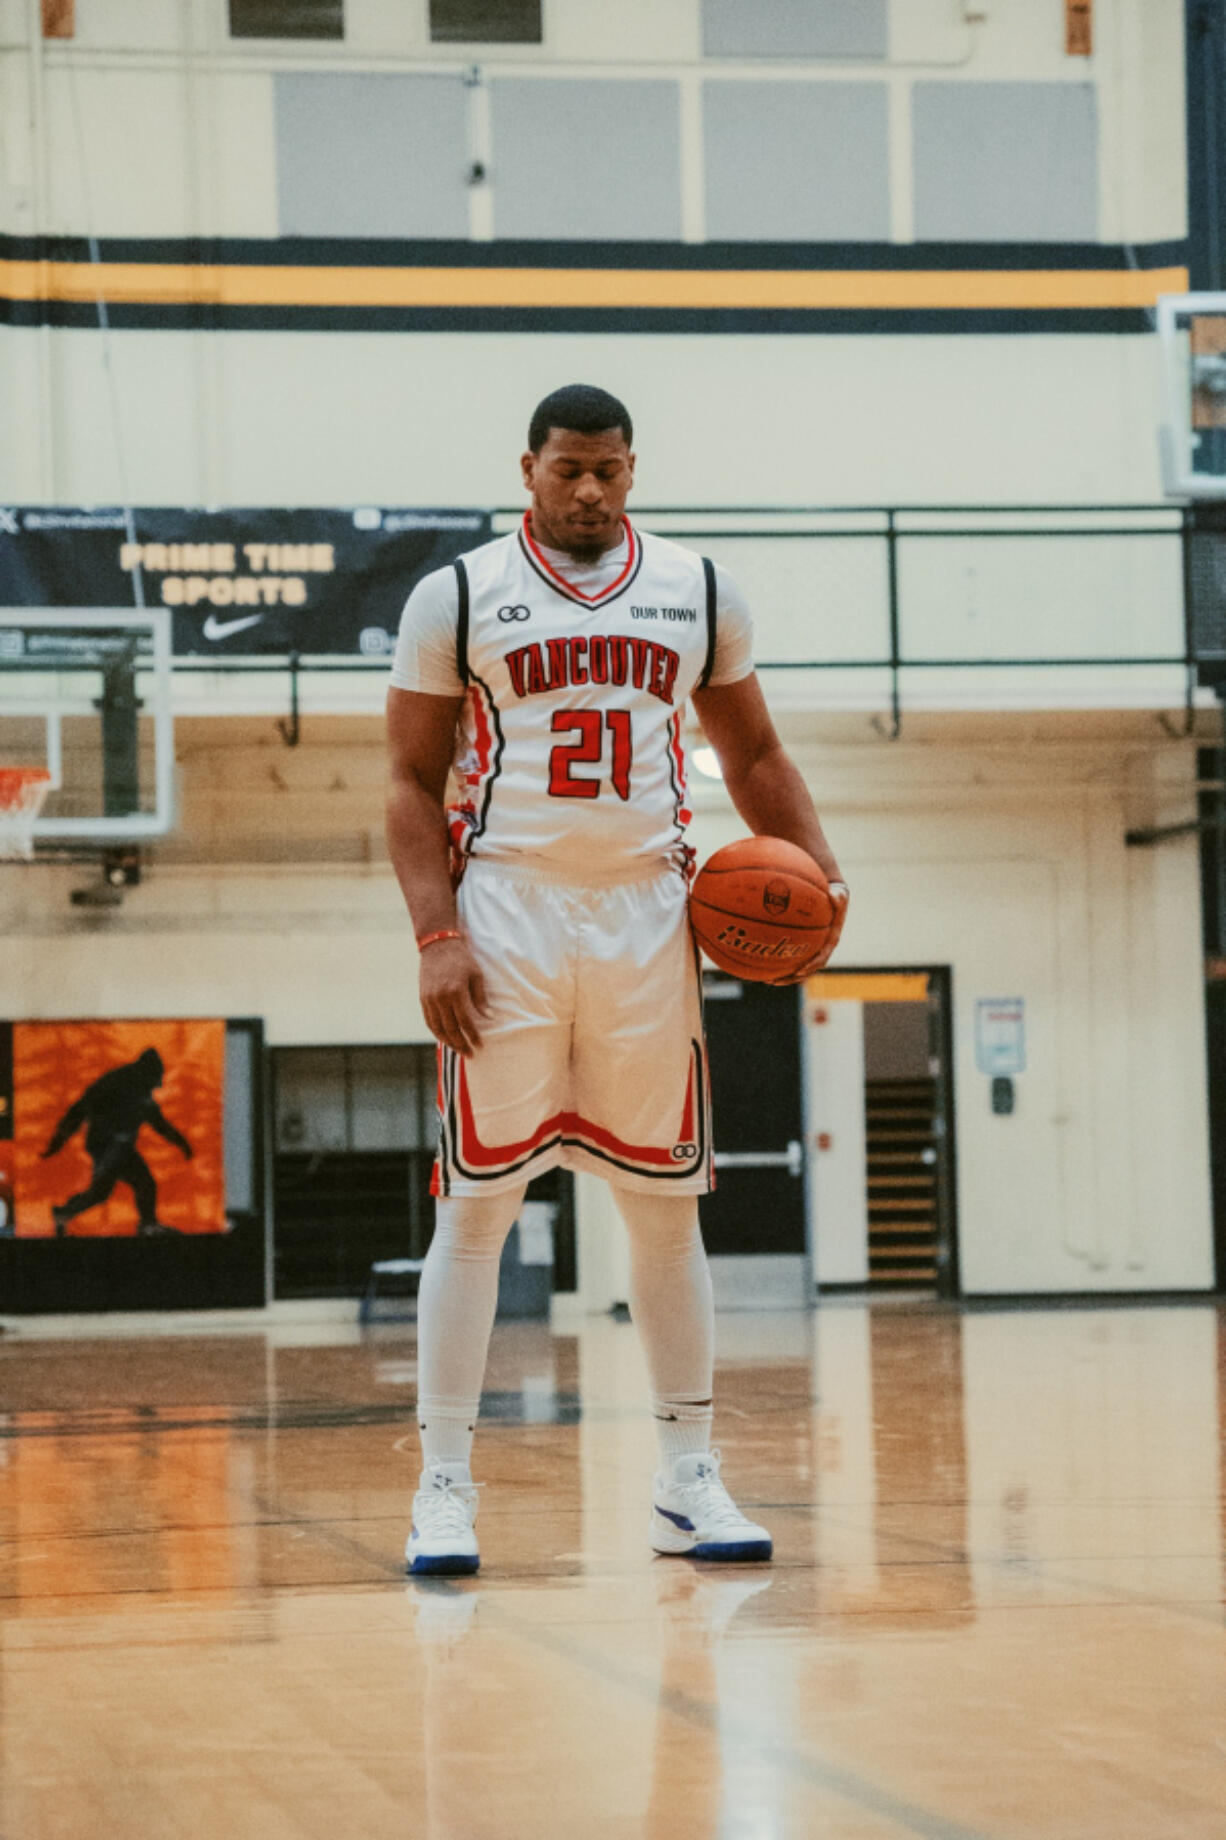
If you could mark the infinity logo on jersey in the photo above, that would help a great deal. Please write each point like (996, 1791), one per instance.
(507, 614)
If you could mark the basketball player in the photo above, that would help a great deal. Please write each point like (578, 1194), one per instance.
(549, 670)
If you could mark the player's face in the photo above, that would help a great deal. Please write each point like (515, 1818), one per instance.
(579, 484)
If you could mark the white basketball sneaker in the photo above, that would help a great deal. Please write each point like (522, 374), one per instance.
(692, 1512)
(442, 1540)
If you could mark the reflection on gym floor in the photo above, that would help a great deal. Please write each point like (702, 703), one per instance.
(996, 1607)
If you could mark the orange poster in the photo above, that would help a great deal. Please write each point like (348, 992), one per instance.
(117, 1128)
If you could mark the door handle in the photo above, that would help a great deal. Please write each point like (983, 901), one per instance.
(792, 1159)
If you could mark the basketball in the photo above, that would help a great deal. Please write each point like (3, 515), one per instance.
(760, 908)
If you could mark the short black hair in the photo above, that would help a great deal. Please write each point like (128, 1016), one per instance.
(581, 408)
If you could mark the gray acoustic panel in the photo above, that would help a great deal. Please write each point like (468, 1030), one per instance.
(239, 1124)
(551, 177)
(795, 28)
(371, 155)
(1005, 162)
(797, 162)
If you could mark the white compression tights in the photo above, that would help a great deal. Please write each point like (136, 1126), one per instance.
(670, 1301)
(456, 1301)
(673, 1309)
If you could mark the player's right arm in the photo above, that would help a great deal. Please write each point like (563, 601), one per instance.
(421, 740)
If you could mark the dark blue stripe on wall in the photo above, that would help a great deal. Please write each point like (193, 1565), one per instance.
(1205, 76)
(365, 252)
(205, 316)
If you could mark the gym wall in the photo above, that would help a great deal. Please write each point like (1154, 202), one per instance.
(987, 220)
(1000, 854)
(926, 244)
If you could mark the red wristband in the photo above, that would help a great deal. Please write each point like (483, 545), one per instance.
(432, 939)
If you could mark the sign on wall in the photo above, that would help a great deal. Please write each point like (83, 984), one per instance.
(1000, 1035)
(238, 581)
(111, 1129)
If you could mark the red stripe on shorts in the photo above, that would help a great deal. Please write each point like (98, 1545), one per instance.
(562, 1124)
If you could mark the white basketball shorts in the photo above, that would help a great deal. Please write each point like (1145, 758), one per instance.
(592, 1056)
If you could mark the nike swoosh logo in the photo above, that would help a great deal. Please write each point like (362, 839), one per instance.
(214, 628)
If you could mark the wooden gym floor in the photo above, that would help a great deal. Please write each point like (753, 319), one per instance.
(996, 1609)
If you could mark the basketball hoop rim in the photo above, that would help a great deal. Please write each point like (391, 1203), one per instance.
(22, 791)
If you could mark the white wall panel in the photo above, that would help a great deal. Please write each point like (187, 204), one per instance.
(1143, 141)
(836, 1176)
(146, 427)
(803, 420)
(136, 25)
(322, 418)
(239, 137)
(17, 179)
(119, 146)
(1021, 597)
(634, 31)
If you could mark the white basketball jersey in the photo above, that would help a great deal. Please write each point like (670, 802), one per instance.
(569, 747)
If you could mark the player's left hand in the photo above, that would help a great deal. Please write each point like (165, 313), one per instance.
(840, 895)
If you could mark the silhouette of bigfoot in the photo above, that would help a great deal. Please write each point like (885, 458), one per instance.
(114, 1108)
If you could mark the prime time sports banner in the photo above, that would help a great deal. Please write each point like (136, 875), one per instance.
(238, 581)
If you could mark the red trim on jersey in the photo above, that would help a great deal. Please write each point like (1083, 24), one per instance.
(562, 1124)
(684, 814)
(484, 736)
(463, 818)
(568, 587)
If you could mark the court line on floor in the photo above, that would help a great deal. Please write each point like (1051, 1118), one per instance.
(1116, 1594)
(709, 1717)
(696, 1712)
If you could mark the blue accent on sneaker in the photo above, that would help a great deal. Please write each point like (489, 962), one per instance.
(453, 1565)
(678, 1520)
(731, 1550)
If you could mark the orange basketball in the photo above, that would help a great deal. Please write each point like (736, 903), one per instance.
(760, 908)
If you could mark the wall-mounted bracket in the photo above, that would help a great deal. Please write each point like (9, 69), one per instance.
(291, 731)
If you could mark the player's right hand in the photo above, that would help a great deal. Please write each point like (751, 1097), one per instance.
(840, 895)
(453, 998)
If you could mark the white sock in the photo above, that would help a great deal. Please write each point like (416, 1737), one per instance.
(672, 1304)
(456, 1301)
(683, 1428)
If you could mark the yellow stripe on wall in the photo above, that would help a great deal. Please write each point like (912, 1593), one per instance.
(240, 285)
(867, 986)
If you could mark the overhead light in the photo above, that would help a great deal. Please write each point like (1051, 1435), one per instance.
(707, 762)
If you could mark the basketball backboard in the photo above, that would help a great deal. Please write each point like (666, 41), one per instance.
(1192, 330)
(86, 693)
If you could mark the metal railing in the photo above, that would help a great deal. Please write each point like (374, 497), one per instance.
(1136, 552)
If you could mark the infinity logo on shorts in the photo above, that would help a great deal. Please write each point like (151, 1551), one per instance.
(507, 614)
(684, 1153)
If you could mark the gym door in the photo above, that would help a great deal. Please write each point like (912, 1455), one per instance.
(754, 1223)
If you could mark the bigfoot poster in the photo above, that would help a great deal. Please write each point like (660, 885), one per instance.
(116, 1129)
